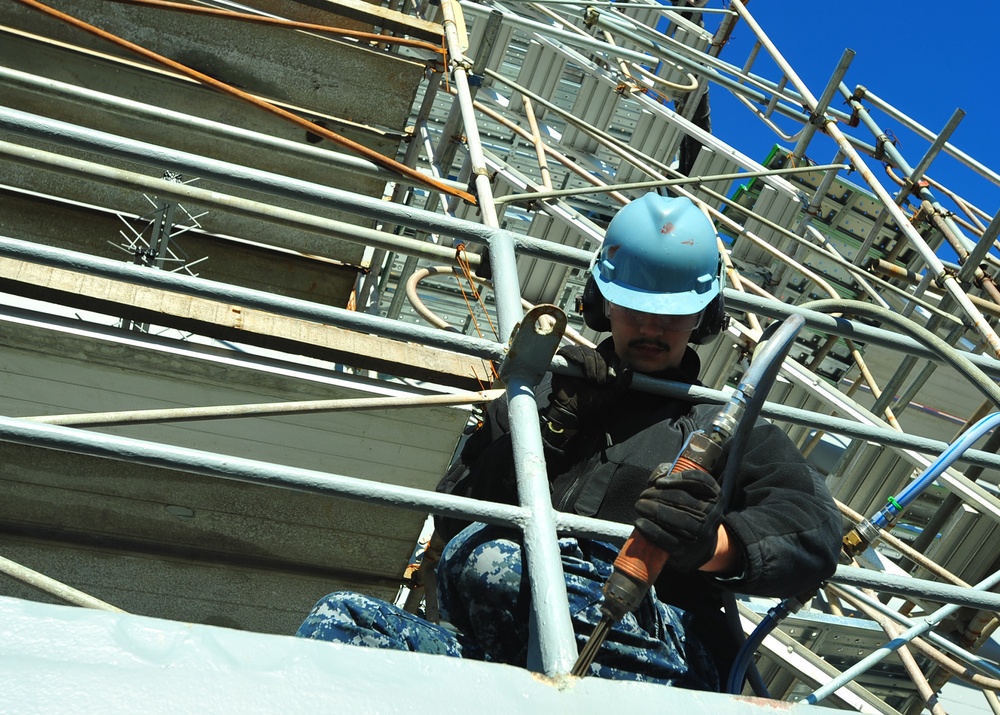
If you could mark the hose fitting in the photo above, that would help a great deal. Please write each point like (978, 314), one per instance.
(861, 537)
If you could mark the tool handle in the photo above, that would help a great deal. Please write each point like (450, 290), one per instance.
(639, 558)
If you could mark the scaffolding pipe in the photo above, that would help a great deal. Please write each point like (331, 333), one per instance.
(684, 181)
(822, 106)
(942, 276)
(210, 464)
(914, 176)
(612, 4)
(269, 409)
(48, 585)
(980, 250)
(162, 115)
(450, 139)
(927, 134)
(553, 630)
(460, 68)
(536, 140)
(280, 305)
(892, 270)
(925, 625)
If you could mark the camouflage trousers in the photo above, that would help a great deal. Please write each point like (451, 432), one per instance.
(485, 596)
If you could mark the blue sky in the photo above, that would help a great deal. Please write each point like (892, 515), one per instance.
(926, 58)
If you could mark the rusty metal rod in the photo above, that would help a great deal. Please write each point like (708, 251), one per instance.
(225, 88)
(282, 22)
(891, 270)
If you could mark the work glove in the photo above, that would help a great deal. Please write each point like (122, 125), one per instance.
(575, 399)
(680, 513)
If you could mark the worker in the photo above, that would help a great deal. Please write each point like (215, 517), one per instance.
(656, 285)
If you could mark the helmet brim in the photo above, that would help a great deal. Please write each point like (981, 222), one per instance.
(680, 303)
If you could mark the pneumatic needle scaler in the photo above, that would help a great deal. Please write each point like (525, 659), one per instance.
(639, 562)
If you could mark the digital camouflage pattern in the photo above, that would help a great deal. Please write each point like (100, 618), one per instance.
(485, 597)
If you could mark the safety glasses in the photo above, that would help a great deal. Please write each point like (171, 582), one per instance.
(667, 323)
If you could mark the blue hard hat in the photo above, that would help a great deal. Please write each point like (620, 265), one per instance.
(660, 255)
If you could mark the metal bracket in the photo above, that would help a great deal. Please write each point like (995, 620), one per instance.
(533, 343)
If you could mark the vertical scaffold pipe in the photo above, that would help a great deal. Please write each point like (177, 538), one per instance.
(556, 646)
(943, 278)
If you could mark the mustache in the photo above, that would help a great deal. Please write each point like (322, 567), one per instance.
(648, 342)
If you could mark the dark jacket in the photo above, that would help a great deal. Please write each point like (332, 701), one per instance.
(781, 515)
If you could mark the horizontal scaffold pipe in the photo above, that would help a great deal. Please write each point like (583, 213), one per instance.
(350, 320)
(153, 454)
(826, 423)
(238, 205)
(257, 180)
(855, 330)
(163, 116)
(920, 588)
(261, 300)
(210, 464)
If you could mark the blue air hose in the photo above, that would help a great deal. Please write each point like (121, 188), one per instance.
(956, 449)
(734, 686)
(752, 390)
(754, 387)
(884, 519)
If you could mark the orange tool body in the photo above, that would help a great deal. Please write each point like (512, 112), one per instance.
(640, 562)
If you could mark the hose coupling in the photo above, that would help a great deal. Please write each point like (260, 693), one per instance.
(861, 537)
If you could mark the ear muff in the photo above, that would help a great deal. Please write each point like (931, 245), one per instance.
(713, 322)
(592, 307)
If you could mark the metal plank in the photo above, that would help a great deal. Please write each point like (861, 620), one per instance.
(595, 104)
(653, 136)
(541, 73)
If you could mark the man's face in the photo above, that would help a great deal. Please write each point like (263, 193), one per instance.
(647, 342)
